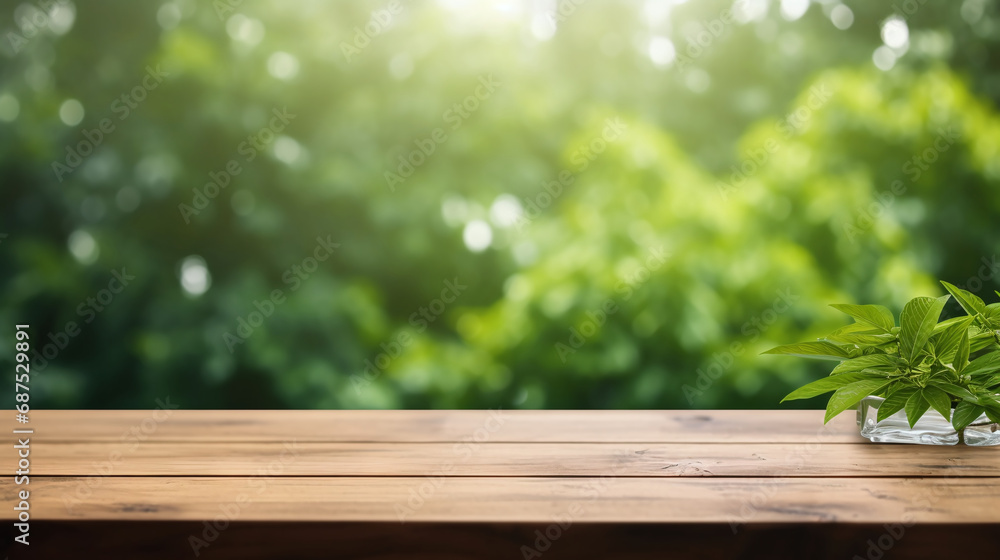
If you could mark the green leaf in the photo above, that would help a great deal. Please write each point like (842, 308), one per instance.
(819, 350)
(990, 382)
(882, 362)
(983, 365)
(981, 341)
(859, 328)
(917, 323)
(993, 310)
(970, 302)
(861, 340)
(965, 414)
(990, 402)
(961, 358)
(860, 334)
(827, 384)
(850, 395)
(946, 339)
(915, 407)
(938, 399)
(993, 415)
(895, 402)
(874, 315)
(954, 390)
(949, 322)
(992, 408)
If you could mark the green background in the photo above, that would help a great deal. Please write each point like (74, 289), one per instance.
(767, 158)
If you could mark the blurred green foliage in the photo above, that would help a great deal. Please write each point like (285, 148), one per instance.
(759, 163)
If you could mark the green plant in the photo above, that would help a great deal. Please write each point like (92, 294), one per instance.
(917, 365)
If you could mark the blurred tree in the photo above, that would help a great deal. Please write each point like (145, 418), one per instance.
(758, 145)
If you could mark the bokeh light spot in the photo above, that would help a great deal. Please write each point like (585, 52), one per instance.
(842, 17)
(168, 16)
(9, 107)
(884, 58)
(794, 9)
(895, 33)
(505, 210)
(477, 236)
(283, 66)
(71, 112)
(83, 247)
(662, 51)
(195, 278)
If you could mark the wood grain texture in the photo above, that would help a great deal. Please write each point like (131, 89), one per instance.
(442, 426)
(516, 499)
(509, 459)
(519, 467)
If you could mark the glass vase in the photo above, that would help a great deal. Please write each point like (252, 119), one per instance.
(931, 429)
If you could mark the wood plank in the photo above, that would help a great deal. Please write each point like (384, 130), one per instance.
(507, 459)
(523, 500)
(428, 426)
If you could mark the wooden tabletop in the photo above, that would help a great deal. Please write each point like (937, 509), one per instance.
(732, 467)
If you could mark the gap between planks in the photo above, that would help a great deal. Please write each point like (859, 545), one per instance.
(508, 459)
(520, 499)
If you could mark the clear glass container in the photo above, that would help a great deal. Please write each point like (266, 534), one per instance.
(931, 429)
